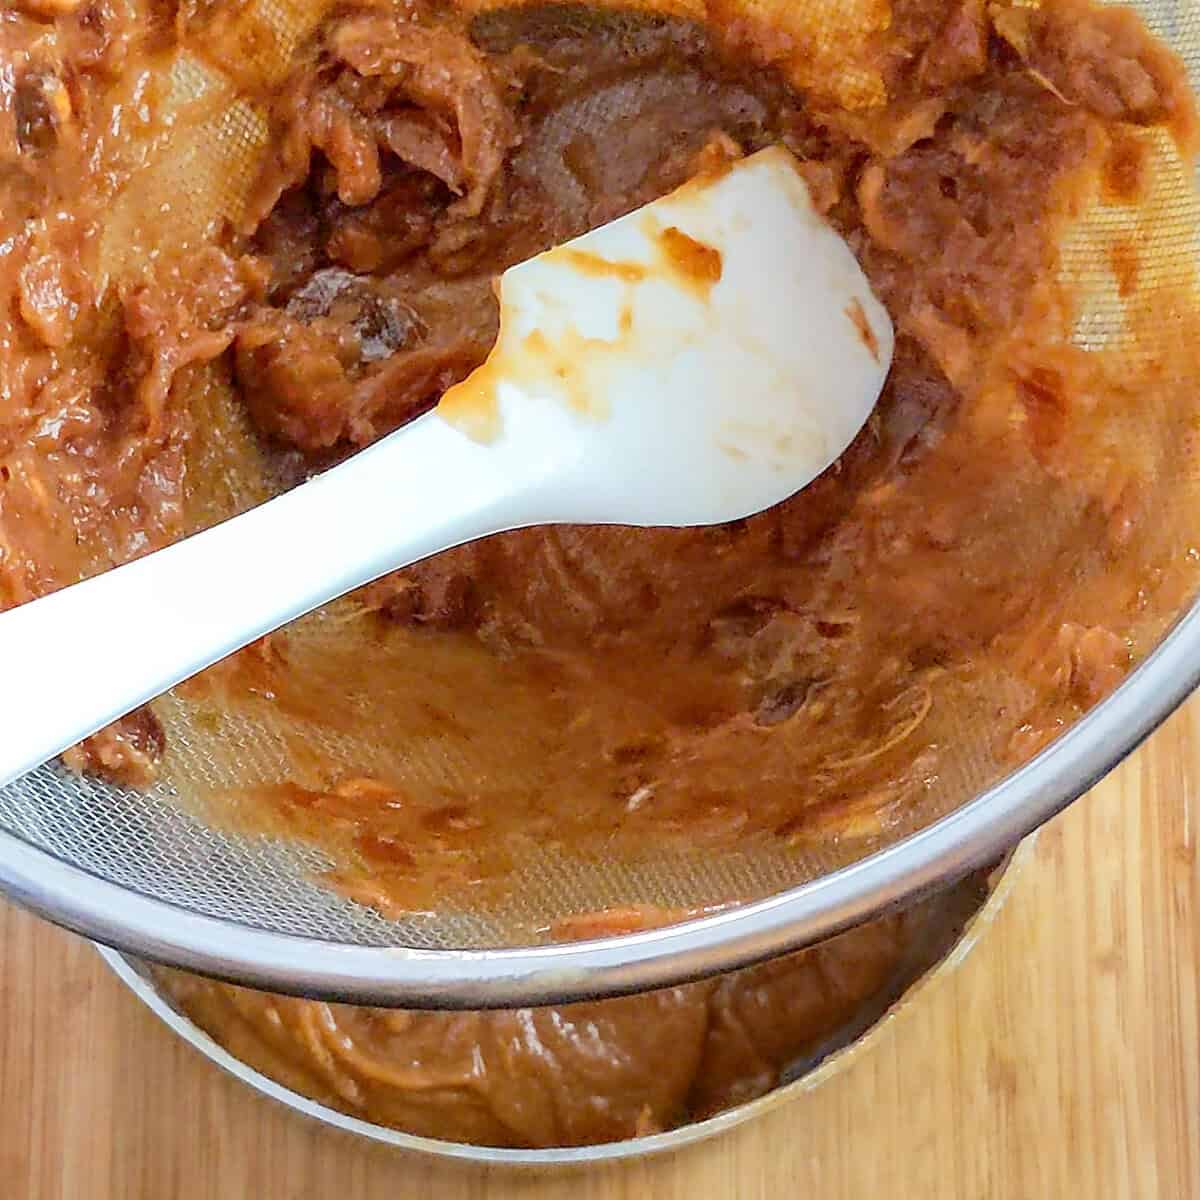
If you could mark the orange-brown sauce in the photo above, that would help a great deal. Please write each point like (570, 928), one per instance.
(587, 263)
(697, 264)
(583, 1073)
(858, 318)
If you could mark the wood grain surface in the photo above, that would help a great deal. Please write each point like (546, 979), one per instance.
(1060, 1059)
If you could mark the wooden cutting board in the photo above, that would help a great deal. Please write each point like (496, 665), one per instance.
(1061, 1058)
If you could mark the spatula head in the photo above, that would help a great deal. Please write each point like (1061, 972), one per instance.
(704, 357)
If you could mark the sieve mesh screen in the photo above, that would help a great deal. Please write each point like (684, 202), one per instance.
(170, 841)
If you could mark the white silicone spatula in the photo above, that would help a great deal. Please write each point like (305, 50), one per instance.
(694, 362)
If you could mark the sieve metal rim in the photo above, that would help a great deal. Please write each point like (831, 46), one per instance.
(944, 851)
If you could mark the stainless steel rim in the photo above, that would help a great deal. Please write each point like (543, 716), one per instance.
(969, 837)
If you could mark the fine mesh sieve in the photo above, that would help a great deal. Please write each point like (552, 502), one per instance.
(167, 874)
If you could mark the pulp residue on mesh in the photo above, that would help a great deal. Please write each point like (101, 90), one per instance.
(240, 241)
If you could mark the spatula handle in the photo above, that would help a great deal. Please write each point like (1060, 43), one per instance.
(76, 660)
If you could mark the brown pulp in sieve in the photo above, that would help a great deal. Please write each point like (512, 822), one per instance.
(988, 546)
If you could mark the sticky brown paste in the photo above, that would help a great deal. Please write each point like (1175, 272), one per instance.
(586, 1073)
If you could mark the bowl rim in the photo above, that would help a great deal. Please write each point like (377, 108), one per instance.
(964, 839)
(132, 973)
